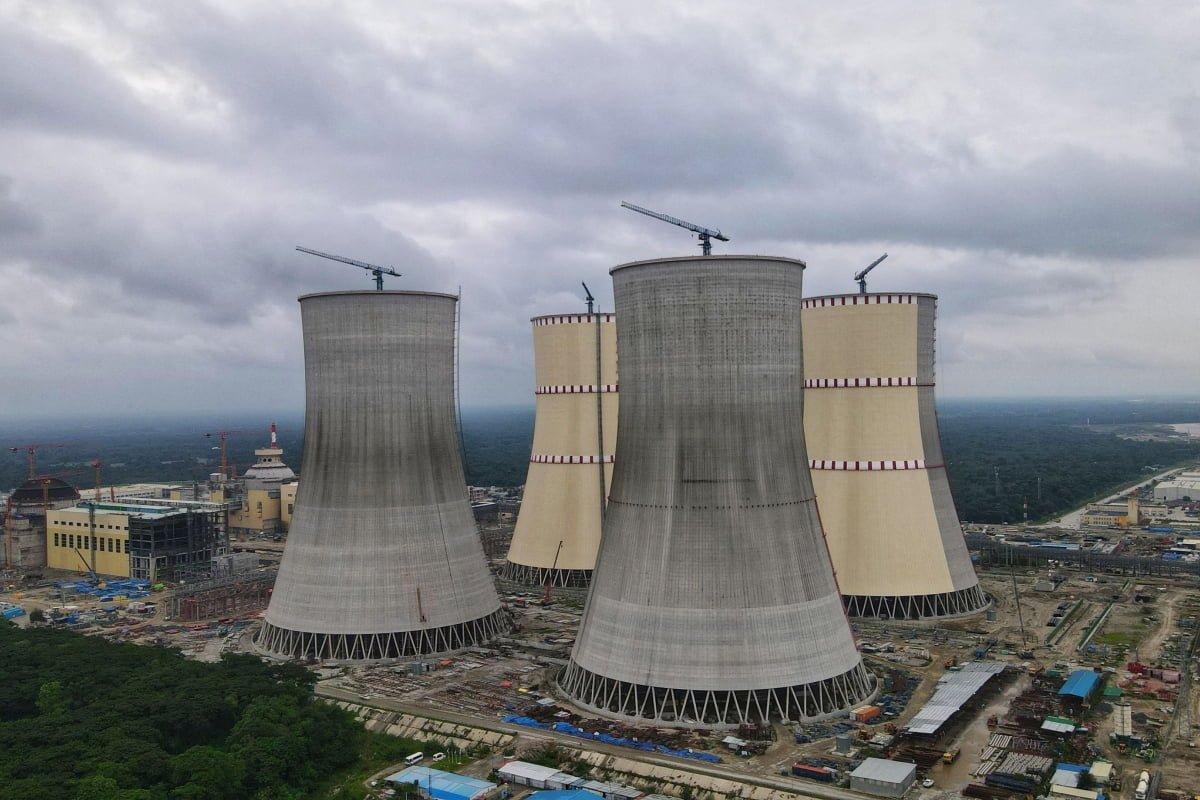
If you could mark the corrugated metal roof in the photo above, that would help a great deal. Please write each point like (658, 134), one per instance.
(954, 690)
(1058, 725)
(442, 785)
(881, 769)
(1081, 683)
(523, 769)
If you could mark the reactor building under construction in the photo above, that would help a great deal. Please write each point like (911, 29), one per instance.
(713, 601)
(876, 457)
(575, 429)
(383, 559)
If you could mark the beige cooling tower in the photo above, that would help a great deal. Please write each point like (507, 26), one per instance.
(876, 457)
(558, 530)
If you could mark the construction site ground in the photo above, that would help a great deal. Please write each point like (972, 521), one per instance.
(1106, 622)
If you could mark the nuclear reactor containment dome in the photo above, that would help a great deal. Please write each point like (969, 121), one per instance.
(383, 559)
(558, 530)
(713, 601)
(876, 457)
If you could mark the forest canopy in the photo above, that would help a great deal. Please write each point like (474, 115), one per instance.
(85, 718)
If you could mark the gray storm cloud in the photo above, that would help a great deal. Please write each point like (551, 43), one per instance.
(158, 164)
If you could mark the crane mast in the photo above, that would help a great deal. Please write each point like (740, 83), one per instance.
(706, 235)
(861, 276)
(377, 271)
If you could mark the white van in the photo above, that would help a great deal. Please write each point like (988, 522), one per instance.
(415, 758)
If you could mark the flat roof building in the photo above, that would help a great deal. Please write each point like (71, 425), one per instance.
(883, 778)
(143, 539)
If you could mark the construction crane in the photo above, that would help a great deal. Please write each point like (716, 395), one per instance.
(374, 269)
(591, 301)
(31, 450)
(221, 436)
(550, 578)
(706, 234)
(861, 276)
(97, 464)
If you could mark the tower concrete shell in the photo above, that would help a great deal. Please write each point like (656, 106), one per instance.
(876, 457)
(383, 559)
(558, 530)
(713, 601)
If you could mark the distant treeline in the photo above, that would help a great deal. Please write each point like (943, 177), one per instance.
(1025, 439)
(1077, 448)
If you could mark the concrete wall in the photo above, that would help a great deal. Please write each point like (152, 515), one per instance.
(875, 449)
(564, 498)
(382, 538)
(712, 573)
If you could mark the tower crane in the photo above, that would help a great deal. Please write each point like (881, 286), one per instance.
(861, 275)
(31, 450)
(374, 269)
(591, 301)
(221, 437)
(97, 465)
(706, 235)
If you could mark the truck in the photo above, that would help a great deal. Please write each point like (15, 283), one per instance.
(1143, 786)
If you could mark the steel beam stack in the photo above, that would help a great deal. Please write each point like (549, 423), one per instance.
(876, 457)
(383, 559)
(713, 601)
(558, 530)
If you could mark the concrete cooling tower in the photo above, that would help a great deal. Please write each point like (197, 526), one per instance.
(558, 530)
(713, 601)
(877, 465)
(383, 559)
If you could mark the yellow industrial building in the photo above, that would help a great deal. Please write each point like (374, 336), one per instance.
(150, 539)
(263, 506)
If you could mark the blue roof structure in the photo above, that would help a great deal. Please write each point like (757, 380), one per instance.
(1081, 683)
(442, 785)
(563, 794)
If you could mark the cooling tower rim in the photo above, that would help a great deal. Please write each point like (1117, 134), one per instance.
(869, 294)
(376, 292)
(706, 259)
(583, 319)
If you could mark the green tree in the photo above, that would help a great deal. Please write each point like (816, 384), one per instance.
(52, 698)
(206, 773)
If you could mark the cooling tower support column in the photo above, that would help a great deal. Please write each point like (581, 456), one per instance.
(713, 601)
(383, 559)
(575, 361)
(877, 465)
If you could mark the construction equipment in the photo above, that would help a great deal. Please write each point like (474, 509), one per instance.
(97, 464)
(706, 235)
(374, 269)
(591, 301)
(31, 450)
(550, 580)
(92, 576)
(861, 276)
(221, 437)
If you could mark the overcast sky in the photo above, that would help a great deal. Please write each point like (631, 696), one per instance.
(1036, 165)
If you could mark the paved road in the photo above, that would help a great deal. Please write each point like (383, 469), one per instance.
(682, 764)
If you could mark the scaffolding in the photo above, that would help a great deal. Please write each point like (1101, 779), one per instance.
(222, 598)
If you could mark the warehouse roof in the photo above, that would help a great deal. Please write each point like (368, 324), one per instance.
(881, 769)
(523, 769)
(442, 785)
(563, 794)
(1081, 683)
(954, 690)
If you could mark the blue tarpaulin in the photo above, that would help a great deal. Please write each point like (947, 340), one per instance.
(608, 738)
